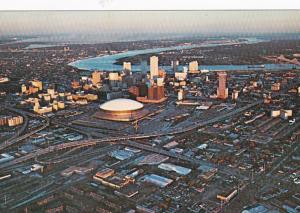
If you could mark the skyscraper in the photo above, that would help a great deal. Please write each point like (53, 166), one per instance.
(127, 66)
(193, 67)
(96, 77)
(174, 65)
(156, 92)
(222, 91)
(153, 67)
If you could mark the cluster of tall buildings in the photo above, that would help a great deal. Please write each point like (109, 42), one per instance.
(11, 120)
(54, 106)
(33, 87)
(146, 88)
(49, 100)
(182, 76)
(54, 101)
(152, 90)
(193, 67)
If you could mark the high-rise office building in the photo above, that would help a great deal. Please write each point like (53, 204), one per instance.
(153, 67)
(174, 65)
(193, 66)
(156, 92)
(127, 66)
(222, 91)
(96, 77)
(153, 94)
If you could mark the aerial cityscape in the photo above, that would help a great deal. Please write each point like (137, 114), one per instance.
(157, 111)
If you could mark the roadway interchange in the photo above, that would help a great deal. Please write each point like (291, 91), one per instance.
(54, 180)
(16, 139)
(94, 142)
(24, 126)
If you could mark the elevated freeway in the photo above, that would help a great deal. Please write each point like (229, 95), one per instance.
(15, 140)
(93, 142)
(24, 126)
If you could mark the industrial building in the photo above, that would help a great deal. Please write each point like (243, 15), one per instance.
(157, 180)
(175, 168)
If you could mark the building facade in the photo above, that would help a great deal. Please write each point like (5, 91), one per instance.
(153, 67)
(222, 91)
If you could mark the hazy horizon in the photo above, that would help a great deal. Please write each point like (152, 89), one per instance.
(131, 25)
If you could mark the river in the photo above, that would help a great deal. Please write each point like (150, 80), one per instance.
(107, 62)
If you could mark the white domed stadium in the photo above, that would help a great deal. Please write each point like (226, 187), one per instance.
(121, 109)
(121, 105)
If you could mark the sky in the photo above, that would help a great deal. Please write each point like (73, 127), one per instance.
(122, 25)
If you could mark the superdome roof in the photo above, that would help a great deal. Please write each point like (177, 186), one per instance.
(121, 104)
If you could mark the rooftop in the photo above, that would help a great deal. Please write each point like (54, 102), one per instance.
(121, 104)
